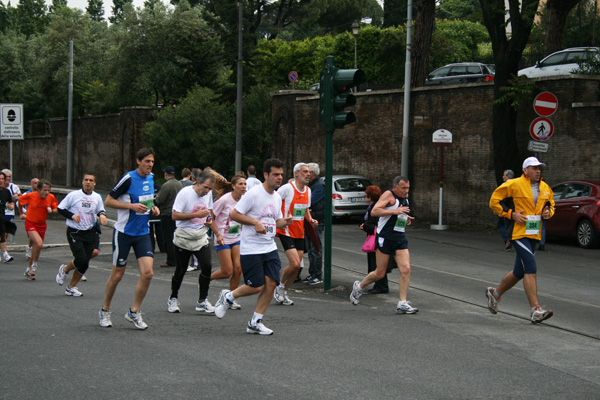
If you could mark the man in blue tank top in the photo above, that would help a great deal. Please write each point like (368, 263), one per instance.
(133, 197)
(392, 210)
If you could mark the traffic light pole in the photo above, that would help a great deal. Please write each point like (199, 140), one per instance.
(329, 129)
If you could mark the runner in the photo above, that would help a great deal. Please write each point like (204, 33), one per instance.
(15, 191)
(192, 212)
(229, 253)
(39, 204)
(259, 211)
(295, 198)
(6, 202)
(133, 197)
(524, 201)
(392, 209)
(33, 183)
(82, 209)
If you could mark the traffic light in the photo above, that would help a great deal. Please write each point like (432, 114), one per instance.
(335, 87)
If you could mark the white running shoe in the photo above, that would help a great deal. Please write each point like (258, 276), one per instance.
(279, 294)
(6, 257)
(191, 268)
(136, 319)
(83, 278)
(404, 307)
(539, 314)
(62, 275)
(73, 291)
(205, 308)
(104, 317)
(492, 300)
(222, 304)
(28, 251)
(235, 306)
(286, 300)
(173, 305)
(356, 292)
(259, 328)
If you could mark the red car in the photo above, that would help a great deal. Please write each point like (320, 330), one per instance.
(577, 212)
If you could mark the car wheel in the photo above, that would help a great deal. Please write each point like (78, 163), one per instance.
(587, 237)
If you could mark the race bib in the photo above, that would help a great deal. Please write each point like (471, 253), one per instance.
(148, 201)
(269, 224)
(401, 222)
(299, 211)
(533, 224)
(233, 230)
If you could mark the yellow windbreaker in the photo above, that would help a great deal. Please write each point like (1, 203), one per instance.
(516, 195)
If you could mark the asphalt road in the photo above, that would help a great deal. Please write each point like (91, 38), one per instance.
(323, 347)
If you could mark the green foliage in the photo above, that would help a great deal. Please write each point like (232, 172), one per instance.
(590, 66)
(198, 132)
(95, 10)
(31, 17)
(469, 10)
(456, 41)
(518, 90)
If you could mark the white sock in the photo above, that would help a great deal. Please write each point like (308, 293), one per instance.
(255, 318)
(229, 297)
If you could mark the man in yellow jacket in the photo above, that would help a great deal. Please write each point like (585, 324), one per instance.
(524, 202)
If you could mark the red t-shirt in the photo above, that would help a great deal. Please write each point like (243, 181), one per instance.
(37, 208)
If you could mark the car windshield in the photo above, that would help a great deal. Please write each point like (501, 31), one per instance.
(351, 185)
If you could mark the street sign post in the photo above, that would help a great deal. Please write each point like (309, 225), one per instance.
(541, 129)
(441, 138)
(293, 77)
(545, 104)
(11, 126)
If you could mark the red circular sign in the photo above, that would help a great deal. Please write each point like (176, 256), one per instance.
(541, 129)
(293, 76)
(545, 104)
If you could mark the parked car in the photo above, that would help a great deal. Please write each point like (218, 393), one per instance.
(348, 195)
(577, 213)
(563, 62)
(460, 73)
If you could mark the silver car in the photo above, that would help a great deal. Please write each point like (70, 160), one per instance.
(563, 62)
(348, 195)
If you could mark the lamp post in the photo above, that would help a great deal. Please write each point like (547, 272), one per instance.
(355, 30)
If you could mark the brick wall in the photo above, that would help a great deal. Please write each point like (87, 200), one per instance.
(373, 145)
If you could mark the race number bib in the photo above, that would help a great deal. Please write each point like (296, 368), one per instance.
(299, 211)
(401, 222)
(148, 201)
(533, 224)
(269, 224)
(234, 230)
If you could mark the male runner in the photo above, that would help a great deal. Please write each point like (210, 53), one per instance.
(259, 210)
(295, 198)
(524, 201)
(39, 204)
(6, 200)
(392, 209)
(82, 209)
(133, 197)
(33, 183)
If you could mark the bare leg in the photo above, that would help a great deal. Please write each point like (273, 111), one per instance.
(146, 273)
(111, 285)
(530, 286)
(402, 258)
(380, 271)
(37, 242)
(507, 283)
(264, 298)
(289, 274)
(237, 268)
(226, 265)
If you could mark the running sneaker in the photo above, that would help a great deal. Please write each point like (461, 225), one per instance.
(73, 291)
(235, 306)
(28, 251)
(173, 305)
(104, 317)
(6, 257)
(278, 294)
(308, 278)
(313, 281)
(492, 300)
(222, 304)
(62, 275)
(205, 307)
(259, 328)
(539, 314)
(136, 319)
(356, 292)
(404, 307)
(286, 300)
(83, 278)
(191, 268)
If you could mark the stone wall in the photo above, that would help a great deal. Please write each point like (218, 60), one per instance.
(104, 145)
(373, 145)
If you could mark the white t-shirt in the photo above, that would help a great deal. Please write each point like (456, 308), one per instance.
(13, 189)
(187, 202)
(251, 182)
(87, 206)
(266, 208)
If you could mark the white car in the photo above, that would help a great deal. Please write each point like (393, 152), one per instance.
(562, 62)
(348, 195)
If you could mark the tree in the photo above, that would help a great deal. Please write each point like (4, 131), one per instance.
(507, 54)
(469, 10)
(118, 10)
(95, 10)
(56, 4)
(31, 16)
(394, 12)
(422, 41)
(556, 17)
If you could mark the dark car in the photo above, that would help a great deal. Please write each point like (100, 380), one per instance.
(577, 213)
(461, 73)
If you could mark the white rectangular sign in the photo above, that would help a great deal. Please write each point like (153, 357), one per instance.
(11, 123)
(537, 147)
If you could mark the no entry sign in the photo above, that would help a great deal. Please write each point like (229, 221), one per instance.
(545, 104)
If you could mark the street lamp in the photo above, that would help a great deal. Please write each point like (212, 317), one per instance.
(355, 30)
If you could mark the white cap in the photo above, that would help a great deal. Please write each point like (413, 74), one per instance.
(531, 162)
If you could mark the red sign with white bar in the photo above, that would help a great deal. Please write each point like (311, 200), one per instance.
(545, 104)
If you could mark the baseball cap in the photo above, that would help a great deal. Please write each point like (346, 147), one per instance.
(531, 162)
(169, 170)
